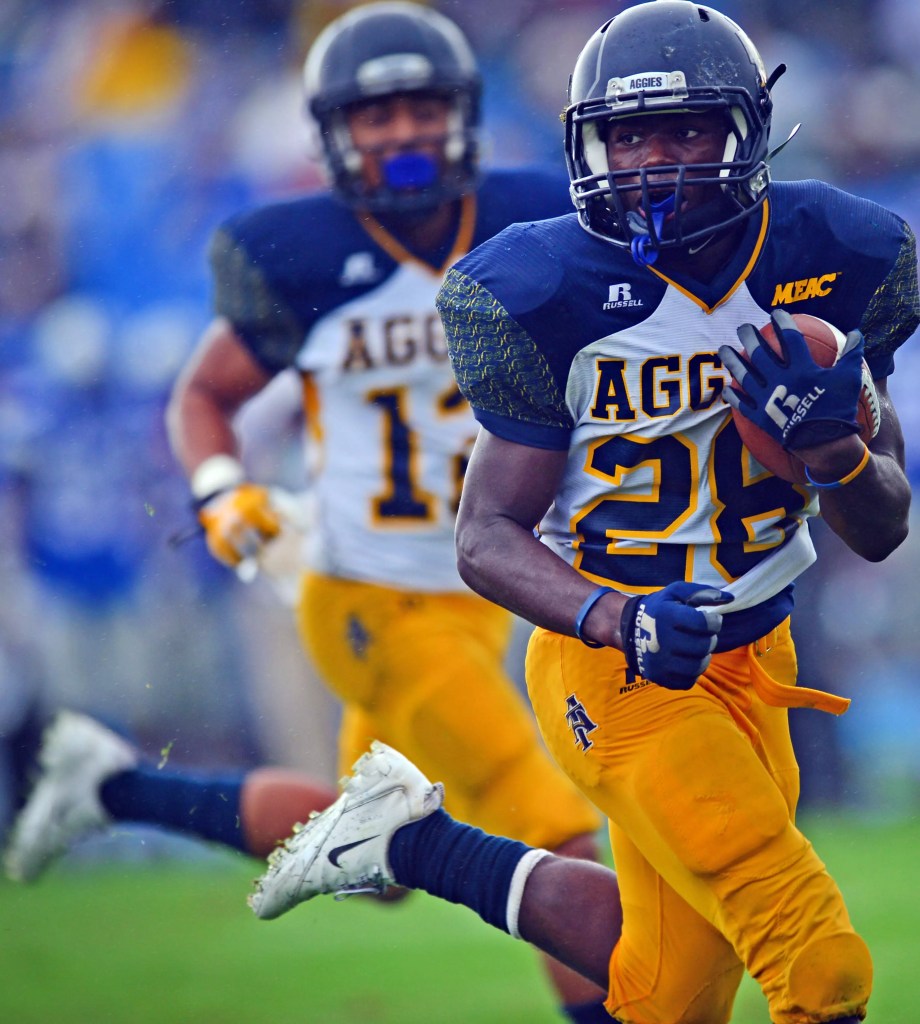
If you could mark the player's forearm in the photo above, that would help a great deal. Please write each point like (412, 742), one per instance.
(198, 429)
(870, 514)
(507, 564)
(217, 380)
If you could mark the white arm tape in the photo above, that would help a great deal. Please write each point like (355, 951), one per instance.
(217, 473)
(516, 890)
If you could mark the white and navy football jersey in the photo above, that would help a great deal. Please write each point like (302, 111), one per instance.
(312, 284)
(559, 340)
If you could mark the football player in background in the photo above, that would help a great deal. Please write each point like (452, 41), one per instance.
(342, 286)
(596, 351)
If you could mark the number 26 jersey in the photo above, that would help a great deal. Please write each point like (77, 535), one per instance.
(559, 340)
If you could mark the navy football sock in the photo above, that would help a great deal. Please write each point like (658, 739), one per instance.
(206, 806)
(458, 863)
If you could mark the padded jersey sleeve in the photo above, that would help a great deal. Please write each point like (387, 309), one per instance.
(499, 368)
(893, 313)
(244, 295)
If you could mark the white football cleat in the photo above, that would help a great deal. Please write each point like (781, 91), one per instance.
(343, 850)
(76, 757)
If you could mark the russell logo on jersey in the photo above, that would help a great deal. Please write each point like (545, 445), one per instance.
(359, 268)
(619, 296)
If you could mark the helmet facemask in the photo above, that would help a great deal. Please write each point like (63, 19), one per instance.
(600, 194)
(413, 181)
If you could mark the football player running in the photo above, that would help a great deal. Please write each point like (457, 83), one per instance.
(660, 580)
(341, 286)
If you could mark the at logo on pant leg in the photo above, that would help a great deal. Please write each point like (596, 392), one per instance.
(579, 722)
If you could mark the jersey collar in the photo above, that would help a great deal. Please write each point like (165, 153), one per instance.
(715, 293)
(395, 249)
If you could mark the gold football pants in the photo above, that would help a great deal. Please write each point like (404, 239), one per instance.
(700, 788)
(425, 674)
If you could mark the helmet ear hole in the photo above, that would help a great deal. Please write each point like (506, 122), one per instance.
(337, 138)
(380, 50)
(594, 143)
(352, 161)
(737, 131)
(455, 147)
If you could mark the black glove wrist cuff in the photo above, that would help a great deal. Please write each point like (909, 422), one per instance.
(809, 434)
(628, 631)
(197, 504)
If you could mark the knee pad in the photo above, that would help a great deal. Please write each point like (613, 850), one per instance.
(830, 977)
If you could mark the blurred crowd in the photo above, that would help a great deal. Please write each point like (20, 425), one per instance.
(128, 130)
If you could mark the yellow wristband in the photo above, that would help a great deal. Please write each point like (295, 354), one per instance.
(844, 480)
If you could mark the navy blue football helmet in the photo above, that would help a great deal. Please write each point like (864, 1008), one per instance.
(385, 49)
(657, 57)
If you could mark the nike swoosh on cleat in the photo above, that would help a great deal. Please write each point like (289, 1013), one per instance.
(337, 851)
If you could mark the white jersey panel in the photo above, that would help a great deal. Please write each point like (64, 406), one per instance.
(648, 451)
(389, 439)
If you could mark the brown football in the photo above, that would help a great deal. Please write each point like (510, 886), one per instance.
(825, 343)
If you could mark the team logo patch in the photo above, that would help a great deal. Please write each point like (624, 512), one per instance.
(807, 288)
(579, 722)
(619, 296)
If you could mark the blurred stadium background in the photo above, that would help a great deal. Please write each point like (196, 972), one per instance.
(128, 130)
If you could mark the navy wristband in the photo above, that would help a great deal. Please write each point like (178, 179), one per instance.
(590, 602)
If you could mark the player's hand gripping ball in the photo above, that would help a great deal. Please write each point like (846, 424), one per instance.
(799, 382)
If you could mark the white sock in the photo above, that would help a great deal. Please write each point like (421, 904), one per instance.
(516, 891)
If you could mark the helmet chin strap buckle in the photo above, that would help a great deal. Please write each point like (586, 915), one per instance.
(644, 252)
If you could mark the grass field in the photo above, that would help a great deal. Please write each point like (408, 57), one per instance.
(171, 941)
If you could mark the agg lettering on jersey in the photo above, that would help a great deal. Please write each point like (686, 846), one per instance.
(619, 296)
(667, 384)
(579, 722)
(393, 341)
(808, 288)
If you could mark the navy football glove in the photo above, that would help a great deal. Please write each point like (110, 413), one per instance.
(792, 398)
(666, 638)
